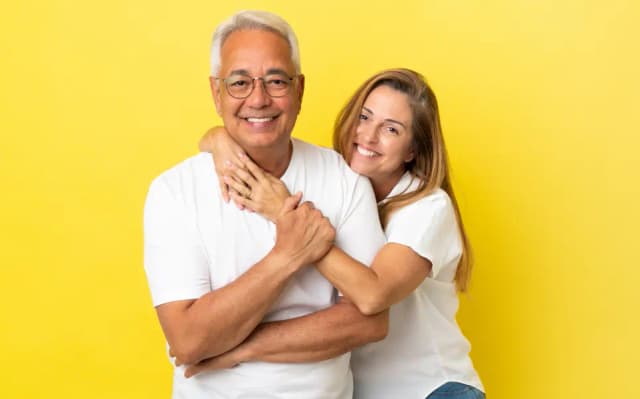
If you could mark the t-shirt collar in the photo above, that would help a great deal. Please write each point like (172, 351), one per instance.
(406, 184)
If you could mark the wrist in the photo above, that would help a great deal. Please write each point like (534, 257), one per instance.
(286, 261)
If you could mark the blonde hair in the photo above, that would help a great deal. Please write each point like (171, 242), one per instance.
(429, 165)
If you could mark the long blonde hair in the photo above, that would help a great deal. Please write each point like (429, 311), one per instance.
(429, 165)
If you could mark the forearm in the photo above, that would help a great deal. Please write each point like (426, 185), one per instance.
(222, 319)
(315, 337)
(359, 283)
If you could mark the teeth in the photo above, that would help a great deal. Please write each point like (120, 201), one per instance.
(364, 152)
(259, 120)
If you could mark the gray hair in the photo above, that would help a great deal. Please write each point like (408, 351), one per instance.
(259, 20)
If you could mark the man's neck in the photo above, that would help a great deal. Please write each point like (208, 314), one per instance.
(274, 161)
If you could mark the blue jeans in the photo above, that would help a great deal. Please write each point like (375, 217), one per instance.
(456, 390)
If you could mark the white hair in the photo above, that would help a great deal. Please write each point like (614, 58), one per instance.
(250, 19)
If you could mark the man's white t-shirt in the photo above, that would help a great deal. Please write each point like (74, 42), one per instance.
(424, 347)
(196, 243)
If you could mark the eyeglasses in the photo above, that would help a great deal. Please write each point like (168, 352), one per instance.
(241, 86)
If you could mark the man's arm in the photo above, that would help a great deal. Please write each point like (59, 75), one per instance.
(219, 320)
(318, 336)
(330, 332)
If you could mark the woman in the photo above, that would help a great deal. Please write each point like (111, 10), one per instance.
(390, 132)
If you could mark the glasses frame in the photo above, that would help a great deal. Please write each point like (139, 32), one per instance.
(253, 84)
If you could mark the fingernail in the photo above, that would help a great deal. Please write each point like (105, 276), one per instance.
(241, 155)
(228, 163)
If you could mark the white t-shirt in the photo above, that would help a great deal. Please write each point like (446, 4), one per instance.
(424, 347)
(196, 243)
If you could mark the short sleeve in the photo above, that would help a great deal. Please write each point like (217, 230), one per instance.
(174, 260)
(428, 226)
(359, 233)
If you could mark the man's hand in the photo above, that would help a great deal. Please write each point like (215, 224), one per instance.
(304, 235)
(224, 361)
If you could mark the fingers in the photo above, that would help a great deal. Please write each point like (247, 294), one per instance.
(240, 173)
(238, 187)
(224, 190)
(254, 169)
(242, 202)
(291, 202)
(192, 370)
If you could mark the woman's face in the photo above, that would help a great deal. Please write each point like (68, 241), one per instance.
(382, 141)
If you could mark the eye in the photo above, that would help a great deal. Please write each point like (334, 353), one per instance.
(238, 83)
(276, 82)
(392, 130)
(363, 117)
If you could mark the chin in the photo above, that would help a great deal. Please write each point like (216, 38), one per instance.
(359, 169)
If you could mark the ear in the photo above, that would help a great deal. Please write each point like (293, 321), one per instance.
(300, 90)
(410, 156)
(215, 93)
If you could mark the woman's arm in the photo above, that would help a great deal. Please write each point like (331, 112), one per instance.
(396, 271)
(257, 190)
(242, 180)
(225, 152)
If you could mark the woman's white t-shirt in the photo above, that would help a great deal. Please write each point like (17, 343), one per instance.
(425, 347)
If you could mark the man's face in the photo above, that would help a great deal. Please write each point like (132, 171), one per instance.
(258, 121)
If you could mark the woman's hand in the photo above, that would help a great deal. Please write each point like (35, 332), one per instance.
(254, 189)
(225, 151)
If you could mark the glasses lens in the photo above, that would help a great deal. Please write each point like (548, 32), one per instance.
(277, 85)
(239, 86)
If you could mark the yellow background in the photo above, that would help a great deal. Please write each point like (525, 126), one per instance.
(540, 109)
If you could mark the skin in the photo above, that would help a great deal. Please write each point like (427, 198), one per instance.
(220, 320)
(257, 53)
(384, 138)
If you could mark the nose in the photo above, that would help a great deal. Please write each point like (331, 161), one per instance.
(367, 132)
(258, 97)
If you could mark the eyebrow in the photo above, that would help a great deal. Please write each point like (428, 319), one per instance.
(270, 71)
(387, 119)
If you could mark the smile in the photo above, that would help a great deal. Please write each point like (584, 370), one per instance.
(260, 120)
(364, 152)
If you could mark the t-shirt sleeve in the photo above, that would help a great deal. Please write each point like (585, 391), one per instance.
(427, 226)
(174, 260)
(359, 233)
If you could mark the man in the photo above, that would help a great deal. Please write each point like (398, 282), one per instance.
(217, 278)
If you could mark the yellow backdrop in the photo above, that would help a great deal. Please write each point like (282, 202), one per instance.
(539, 103)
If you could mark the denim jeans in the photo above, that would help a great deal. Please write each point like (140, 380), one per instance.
(456, 390)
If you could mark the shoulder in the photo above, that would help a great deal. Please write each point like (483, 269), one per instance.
(432, 212)
(312, 152)
(429, 227)
(180, 178)
(436, 202)
(327, 166)
(181, 185)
